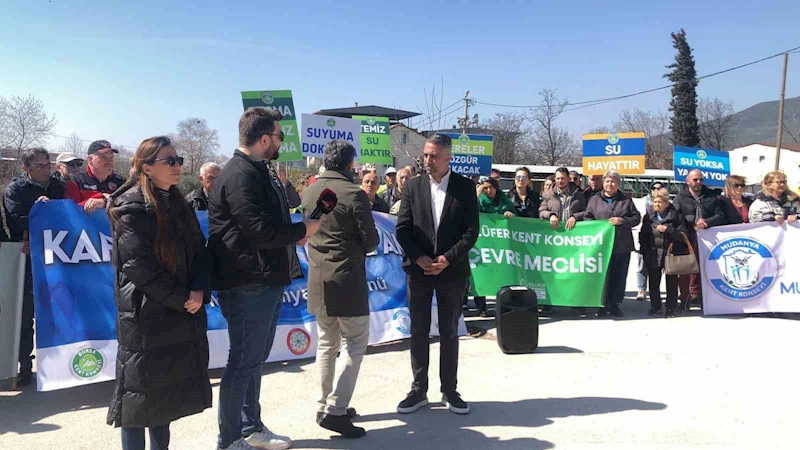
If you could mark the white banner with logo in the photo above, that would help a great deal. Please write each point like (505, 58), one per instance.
(317, 131)
(750, 268)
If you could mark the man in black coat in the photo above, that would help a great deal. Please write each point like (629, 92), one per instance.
(252, 242)
(20, 195)
(198, 199)
(700, 209)
(437, 226)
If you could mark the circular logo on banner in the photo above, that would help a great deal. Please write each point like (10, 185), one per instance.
(371, 120)
(87, 363)
(331, 123)
(403, 319)
(613, 138)
(463, 139)
(267, 98)
(298, 341)
(701, 154)
(741, 268)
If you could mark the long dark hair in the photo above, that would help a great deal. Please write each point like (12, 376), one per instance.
(173, 214)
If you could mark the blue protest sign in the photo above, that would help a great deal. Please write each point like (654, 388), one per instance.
(714, 164)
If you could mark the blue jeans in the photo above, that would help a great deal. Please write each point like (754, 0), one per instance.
(252, 313)
(641, 275)
(133, 438)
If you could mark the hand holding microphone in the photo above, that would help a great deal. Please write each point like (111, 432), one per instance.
(325, 203)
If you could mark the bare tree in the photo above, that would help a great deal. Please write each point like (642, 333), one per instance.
(655, 127)
(74, 144)
(196, 142)
(509, 131)
(25, 123)
(551, 144)
(600, 130)
(791, 127)
(122, 161)
(716, 123)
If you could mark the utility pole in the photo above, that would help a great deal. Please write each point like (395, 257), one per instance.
(780, 114)
(465, 120)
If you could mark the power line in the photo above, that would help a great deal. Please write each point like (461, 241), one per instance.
(620, 97)
(440, 112)
(443, 113)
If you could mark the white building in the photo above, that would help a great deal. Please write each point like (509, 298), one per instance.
(407, 145)
(756, 160)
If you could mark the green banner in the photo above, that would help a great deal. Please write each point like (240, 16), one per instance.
(376, 143)
(282, 101)
(564, 268)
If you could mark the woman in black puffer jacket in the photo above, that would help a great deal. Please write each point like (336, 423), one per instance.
(662, 226)
(161, 284)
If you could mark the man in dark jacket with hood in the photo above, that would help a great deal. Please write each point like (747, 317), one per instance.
(337, 285)
(252, 242)
(20, 195)
(700, 209)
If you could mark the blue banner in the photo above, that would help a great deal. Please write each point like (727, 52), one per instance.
(471, 154)
(74, 279)
(714, 164)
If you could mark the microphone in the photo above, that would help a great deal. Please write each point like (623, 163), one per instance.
(325, 203)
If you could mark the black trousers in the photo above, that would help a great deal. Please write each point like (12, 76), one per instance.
(26, 331)
(616, 276)
(449, 297)
(654, 280)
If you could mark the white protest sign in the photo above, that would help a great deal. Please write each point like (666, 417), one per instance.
(317, 131)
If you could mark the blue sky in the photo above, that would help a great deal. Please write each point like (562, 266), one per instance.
(128, 71)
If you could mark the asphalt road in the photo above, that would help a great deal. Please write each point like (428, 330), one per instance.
(636, 383)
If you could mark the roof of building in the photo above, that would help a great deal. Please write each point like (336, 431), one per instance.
(784, 146)
(370, 110)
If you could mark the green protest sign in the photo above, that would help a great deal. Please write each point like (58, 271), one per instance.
(281, 101)
(564, 268)
(376, 143)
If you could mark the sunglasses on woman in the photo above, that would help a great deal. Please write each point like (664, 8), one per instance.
(74, 164)
(739, 186)
(169, 160)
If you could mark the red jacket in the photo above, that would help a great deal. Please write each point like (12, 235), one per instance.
(84, 186)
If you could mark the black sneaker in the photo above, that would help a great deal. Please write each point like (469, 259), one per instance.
(669, 314)
(342, 425)
(414, 401)
(653, 311)
(351, 413)
(484, 313)
(454, 403)
(617, 313)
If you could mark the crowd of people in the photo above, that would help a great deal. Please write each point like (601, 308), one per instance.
(165, 269)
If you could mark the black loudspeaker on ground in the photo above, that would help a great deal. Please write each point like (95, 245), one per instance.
(517, 319)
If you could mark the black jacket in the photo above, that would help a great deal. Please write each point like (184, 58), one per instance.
(622, 207)
(198, 200)
(458, 228)
(732, 215)
(19, 197)
(707, 205)
(653, 244)
(528, 208)
(162, 357)
(292, 197)
(379, 205)
(251, 237)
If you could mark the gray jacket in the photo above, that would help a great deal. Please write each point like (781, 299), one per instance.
(574, 206)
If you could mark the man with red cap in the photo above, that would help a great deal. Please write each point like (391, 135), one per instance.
(92, 186)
